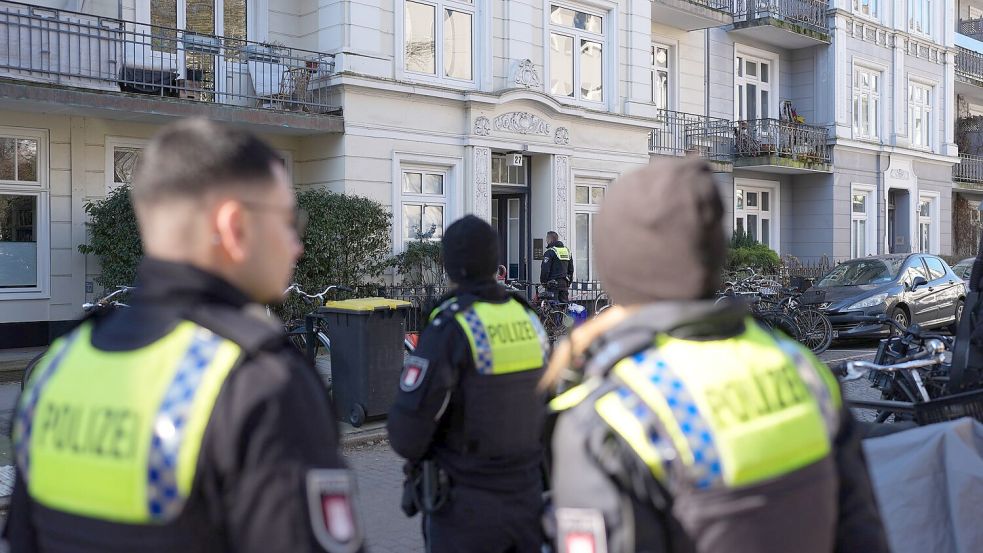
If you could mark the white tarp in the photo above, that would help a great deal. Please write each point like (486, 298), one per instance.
(929, 486)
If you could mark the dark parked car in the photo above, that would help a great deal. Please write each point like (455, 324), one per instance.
(917, 288)
(964, 268)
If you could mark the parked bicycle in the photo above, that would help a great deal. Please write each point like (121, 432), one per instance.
(106, 303)
(310, 334)
(780, 308)
(911, 371)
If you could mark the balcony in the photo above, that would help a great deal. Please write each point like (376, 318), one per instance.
(789, 24)
(52, 58)
(969, 72)
(972, 28)
(968, 173)
(692, 15)
(684, 134)
(774, 146)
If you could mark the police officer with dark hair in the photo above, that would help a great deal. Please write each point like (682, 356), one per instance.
(187, 422)
(557, 269)
(690, 427)
(468, 417)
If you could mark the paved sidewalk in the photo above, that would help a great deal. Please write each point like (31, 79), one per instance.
(379, 475)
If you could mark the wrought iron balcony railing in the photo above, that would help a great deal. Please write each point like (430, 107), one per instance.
(808, 13)
(969, 169)
(971, 28)
(719, 5)
(784, 139)
(690, 134)
(79, 50)
(969, 65)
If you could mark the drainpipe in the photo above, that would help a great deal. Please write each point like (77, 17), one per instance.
(706, 72)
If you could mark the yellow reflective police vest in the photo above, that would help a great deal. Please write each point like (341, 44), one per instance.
(504, 337)
(116, 435)
(721, 413)
(563, 254)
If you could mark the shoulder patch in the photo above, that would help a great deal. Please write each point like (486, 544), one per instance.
(580, 530)
(331, 503)
(414, 372)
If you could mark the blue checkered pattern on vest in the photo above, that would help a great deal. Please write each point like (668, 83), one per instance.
(483, 360)
(706, 471)
(163, 500)
(24, 423)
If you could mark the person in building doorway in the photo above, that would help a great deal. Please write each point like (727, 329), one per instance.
(556, 274)
(468, 417)
(683, 425)
(188, 422)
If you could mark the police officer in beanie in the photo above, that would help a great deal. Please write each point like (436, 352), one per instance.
(187, 422)
(689, 427)
(556, 271)
(469, 409)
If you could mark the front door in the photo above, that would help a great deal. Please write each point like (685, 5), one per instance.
(510, 215)
(755, 214)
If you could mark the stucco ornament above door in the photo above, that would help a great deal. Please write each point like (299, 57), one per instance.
(520, 122)
(524, 74)
(561, 136)
(482, 126)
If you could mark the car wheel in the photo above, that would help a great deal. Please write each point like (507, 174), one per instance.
(954, 327)
(900, 316)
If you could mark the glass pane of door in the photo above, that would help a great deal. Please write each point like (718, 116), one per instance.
(515, 221)
(766, 232)
(582, 246)
(752, 226)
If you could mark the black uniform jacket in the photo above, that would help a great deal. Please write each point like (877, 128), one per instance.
(553, 268)
(271, 424)
(423, 422)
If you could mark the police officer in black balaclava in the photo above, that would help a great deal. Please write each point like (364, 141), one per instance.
(468, 417)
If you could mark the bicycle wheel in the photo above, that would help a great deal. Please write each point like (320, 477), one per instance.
(29, 369)
(779, 321)
(815, 330)
(322, 351)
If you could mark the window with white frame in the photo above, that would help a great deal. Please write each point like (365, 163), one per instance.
(23, 212)
(866, 8)
(752, 87)
(866, 102)
(576, 53)
(920, 114)
(438, 38)
(920, 16)
(862, 222)
(661, 75)
(588, 195)
(926, 224)
(423, 202)
(122, 158)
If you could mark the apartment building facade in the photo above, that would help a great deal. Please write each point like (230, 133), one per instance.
(829, 125)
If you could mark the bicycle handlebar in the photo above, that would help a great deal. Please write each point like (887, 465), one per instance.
(320, 296)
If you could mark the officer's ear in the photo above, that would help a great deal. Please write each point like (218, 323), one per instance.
(228, 222)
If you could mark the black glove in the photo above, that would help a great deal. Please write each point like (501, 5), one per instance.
(411, 481)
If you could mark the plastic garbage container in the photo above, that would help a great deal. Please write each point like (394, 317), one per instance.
(366, 355)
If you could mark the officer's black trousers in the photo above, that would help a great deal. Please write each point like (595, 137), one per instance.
(480, 521)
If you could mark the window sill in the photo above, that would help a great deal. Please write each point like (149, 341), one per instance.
(417, 78)
(871, 18)
(25, 295)
(586, 104)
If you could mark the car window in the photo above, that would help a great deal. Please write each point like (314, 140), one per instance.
(963, 269)
(860, 272)
(914, 268)
(935, 267)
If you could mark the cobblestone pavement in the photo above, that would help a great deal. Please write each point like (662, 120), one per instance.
(379, 475)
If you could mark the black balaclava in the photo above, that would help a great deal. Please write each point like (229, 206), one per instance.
(471, 251)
